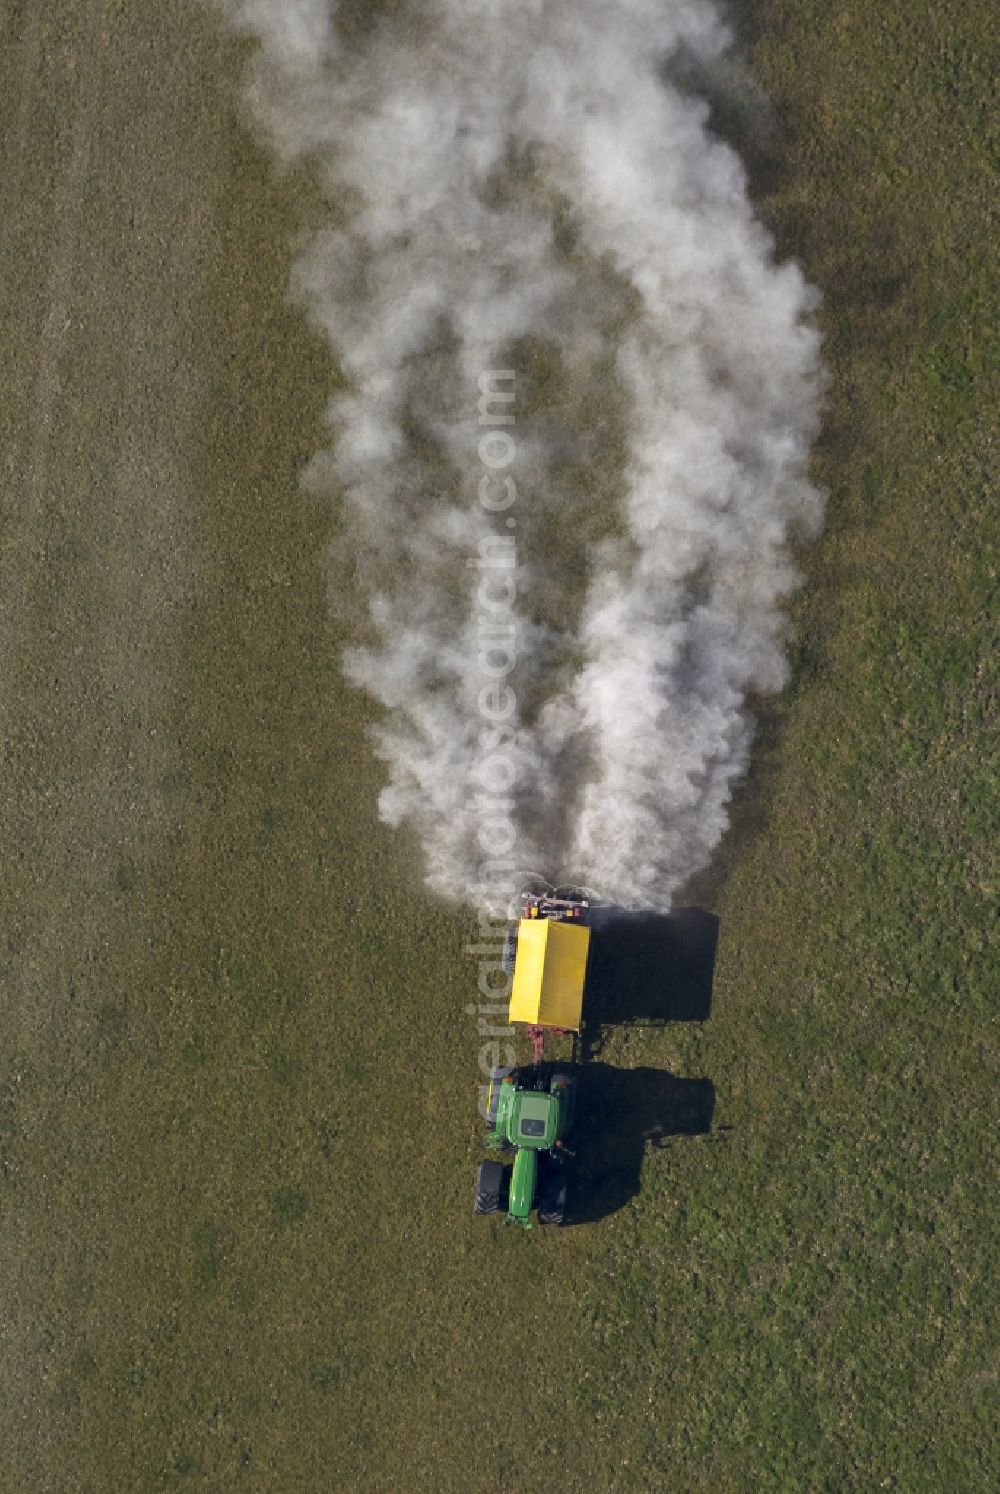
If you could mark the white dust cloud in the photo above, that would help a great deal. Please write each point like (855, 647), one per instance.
(530, 185)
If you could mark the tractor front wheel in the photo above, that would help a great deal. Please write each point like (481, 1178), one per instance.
(489, 1181)
(567, 1084)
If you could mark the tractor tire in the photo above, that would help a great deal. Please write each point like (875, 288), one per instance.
(497, 1077)
(493, 1100)
(552, 1205)
(489, 1181)
(568, 1082)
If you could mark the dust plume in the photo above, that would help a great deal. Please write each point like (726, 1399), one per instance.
(527, 196)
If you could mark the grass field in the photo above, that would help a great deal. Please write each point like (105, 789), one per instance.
(237, 1083)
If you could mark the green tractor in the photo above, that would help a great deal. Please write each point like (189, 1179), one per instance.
(528, 1115)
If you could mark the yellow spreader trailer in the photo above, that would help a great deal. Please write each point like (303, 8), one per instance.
(550, 969)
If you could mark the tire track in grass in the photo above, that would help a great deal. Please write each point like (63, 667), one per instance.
(96, 572)
(19, 564)
(102, 566)
(17, 141)
(24, 1361)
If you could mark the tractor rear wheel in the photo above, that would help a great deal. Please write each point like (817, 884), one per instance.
(489, 1181)
(552, 1208)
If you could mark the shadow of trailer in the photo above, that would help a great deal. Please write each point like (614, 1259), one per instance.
(647, 969)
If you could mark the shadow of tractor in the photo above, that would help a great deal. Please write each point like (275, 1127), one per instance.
(621, 1113)
(649, 968)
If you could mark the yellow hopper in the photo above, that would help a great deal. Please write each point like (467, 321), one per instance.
(549, 972)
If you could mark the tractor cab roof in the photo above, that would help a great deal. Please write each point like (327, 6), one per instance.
(533, 1119)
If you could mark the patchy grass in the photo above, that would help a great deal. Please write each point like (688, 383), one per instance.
(237, 1101)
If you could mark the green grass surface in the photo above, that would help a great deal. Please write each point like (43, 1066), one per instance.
(237, 1083)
